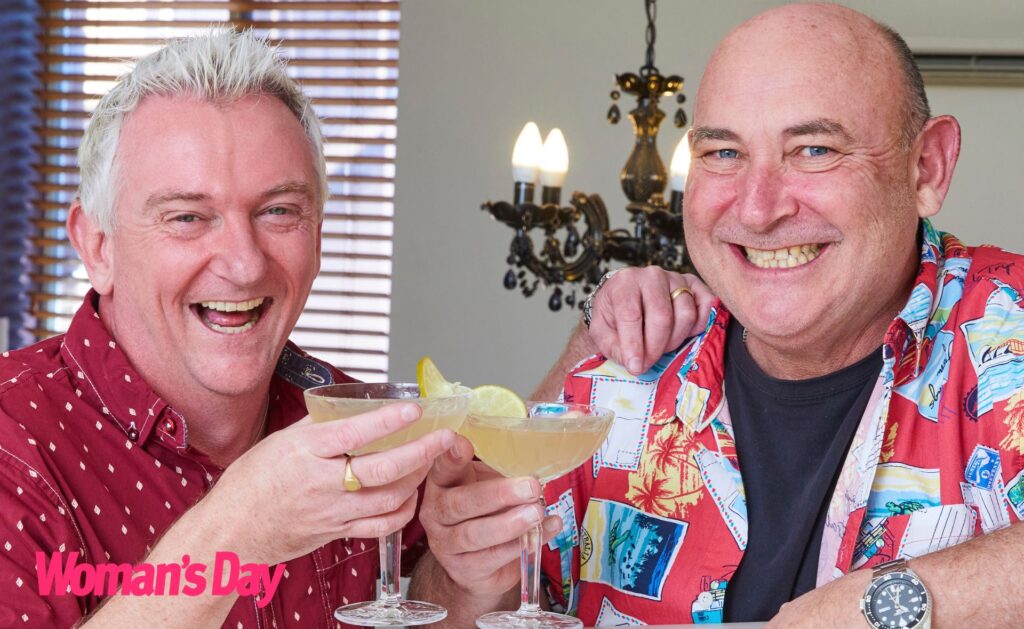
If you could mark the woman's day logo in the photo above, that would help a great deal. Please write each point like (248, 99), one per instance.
(57, 575)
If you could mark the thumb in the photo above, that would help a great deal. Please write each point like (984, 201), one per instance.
(453, 468)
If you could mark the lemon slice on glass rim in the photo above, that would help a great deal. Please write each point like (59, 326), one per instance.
(487, 399)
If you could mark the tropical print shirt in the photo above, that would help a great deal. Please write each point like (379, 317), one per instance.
(655, 524)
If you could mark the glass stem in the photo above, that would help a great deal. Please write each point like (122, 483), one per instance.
(529, 570)
(390, 569)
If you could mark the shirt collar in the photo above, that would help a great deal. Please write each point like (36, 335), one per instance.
(910, 337)
(98, 363)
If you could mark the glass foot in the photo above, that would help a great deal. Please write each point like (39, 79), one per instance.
(404, 613)
(539, 620)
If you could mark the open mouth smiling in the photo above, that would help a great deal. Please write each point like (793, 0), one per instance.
(231, 317)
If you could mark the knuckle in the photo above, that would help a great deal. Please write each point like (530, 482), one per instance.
(391, 502)
(467, 538)
(345, 436)
(629, 312)
(384, 470)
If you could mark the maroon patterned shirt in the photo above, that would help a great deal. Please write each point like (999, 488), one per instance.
(93, 461)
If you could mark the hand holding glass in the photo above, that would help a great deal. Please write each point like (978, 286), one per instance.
(340, 401)
(553, 440)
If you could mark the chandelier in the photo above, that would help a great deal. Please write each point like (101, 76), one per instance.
(580, 257)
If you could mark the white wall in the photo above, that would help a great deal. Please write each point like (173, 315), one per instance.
(473, 71)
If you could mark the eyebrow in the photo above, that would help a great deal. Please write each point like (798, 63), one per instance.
(701, 134)
(300, 187)
(819, 126)
(169, 196)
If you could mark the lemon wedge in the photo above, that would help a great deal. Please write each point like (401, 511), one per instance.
(432, 383)
(496, 401)
(488, 399)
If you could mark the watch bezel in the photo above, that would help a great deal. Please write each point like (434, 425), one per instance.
(881, 581)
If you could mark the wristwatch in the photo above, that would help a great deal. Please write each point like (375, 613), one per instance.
(896, 598)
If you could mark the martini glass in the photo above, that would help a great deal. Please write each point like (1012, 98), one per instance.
(341, 401)
(552, 440)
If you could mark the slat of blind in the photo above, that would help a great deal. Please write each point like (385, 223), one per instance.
(345, 55)
(48, 23)
(296, 62)
(346, 5)
(51, 40)
(355, 82)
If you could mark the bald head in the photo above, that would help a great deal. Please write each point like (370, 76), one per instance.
(826, 42)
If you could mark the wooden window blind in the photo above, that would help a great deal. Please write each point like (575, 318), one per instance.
(345, 55)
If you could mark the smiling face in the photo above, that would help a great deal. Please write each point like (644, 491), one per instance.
(800, 209)
(216, 245)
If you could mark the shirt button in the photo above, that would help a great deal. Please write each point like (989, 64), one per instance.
(133, 435)
(170, 426)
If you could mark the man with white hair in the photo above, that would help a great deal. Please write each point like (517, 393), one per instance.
(162, 430)
(154, 466)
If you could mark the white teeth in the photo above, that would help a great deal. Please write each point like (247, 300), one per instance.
(785, 258)
(236, 330)
(248, 306)
(232, 306)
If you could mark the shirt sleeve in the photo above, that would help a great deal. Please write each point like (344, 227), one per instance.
(33, 525)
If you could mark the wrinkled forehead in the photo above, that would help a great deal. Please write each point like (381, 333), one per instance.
(816, 61)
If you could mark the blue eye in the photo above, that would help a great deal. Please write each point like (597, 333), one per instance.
(186, 218)
(277, 210)
(817, 151)
(727, 153)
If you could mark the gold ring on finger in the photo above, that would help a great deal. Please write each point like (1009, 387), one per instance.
(679, 291)
(351, 483)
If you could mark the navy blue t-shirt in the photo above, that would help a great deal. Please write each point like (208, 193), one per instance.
(791, 440)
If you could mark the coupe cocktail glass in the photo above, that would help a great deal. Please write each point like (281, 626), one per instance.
(341, 401)
(552, 440)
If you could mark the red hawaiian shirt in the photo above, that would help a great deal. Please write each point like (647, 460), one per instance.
(655, 525)
(93, 461)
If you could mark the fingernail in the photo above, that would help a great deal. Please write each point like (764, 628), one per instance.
(529, 514)
(448, 439)
(635, 365)
(524, 490)
(552, 525)
(455, 451)
(410, 412)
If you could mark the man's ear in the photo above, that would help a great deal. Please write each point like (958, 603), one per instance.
(93, 246)
(937, 149)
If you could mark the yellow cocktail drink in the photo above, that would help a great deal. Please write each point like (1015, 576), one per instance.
(544, 446)
(437, 414)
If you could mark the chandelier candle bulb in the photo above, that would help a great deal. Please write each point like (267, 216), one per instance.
(526, 156)
(554, 160)
(680, 166)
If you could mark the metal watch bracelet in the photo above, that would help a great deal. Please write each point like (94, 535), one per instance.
(588, 304)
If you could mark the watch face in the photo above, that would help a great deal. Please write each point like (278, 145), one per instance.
(896, 600)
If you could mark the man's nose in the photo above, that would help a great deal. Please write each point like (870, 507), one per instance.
(763, 198)
(240, 257)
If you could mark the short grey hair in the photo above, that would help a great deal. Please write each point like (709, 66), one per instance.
(220, 66)
(916, 110)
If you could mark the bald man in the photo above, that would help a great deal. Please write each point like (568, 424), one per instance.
(853, 411)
